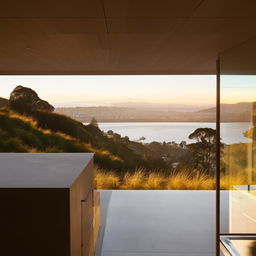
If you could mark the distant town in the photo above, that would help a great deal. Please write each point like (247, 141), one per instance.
(239, 112)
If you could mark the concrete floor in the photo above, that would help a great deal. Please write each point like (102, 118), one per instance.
(158, 223)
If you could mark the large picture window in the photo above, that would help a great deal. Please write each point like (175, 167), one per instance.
(237, 209)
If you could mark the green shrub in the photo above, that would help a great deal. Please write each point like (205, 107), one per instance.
(12, 145)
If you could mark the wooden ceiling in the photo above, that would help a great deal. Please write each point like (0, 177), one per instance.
(121, 36)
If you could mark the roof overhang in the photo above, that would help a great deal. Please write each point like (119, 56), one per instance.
(121, 37)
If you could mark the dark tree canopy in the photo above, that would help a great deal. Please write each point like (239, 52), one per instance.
(204, 150)
(24, 100)
(204, 135)
(110, 132)
(94, 122)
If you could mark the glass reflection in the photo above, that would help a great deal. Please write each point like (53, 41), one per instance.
(238, 175)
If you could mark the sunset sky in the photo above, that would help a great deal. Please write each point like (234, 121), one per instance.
(106, 90)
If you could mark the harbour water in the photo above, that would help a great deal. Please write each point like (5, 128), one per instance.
(174, 131)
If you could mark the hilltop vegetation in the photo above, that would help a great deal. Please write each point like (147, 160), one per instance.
(25, 127)
(22, 134)
(49, 132)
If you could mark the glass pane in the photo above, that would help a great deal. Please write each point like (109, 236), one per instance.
(238, 133)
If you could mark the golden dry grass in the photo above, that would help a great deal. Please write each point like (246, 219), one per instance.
(228, 181)
(190, 180)
(102, 152)
(134, 180)
(106, 180)
(182, 180)
(33, 150)
(34, 124)
(155, 181)
(26, 119)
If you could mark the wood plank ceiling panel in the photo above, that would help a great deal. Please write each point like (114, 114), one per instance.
(51, 9)
(149, 8)
(52, 54)
(226, 9)
(121, 37)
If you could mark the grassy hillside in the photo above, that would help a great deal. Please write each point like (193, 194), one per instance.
(3, 102)
(132, 154)
(49, 132)
(22, 134)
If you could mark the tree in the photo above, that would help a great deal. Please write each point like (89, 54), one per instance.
(110, 133)
(204, 150)
(204, 135)
(126, 139)
(117, 137)
(94, 122)
(24, 100)
(183, 144)
(251, 134)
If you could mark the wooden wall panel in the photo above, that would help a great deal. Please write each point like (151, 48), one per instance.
(96, 216)
(79, 191)
(87, 225)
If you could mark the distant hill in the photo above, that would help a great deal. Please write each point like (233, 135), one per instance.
(240, 112)
(3, 102)
(231, 108)
(164, 107)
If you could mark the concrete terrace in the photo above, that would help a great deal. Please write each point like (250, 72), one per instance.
(158, 223)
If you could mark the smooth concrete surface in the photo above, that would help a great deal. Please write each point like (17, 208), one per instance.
(105, 196)
(41, 170)
(159, 223)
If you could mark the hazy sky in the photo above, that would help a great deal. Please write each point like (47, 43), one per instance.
(238, 89)
(104, 90)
